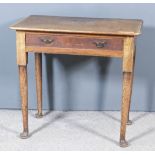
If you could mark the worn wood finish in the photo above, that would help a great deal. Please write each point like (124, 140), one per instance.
(20, 45)
(128, 54)
(126, 96)
(129, 122)
(38, 74)
(24, 99)
(130, 27)
(74, 44)
(74, 41)
(76, 36)
(128, 65)
(69, 51)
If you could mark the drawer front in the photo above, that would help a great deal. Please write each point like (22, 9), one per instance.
(71, 41)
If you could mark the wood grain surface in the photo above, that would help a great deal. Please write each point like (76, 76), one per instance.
(79, 25)
(20, 48)
(74, 41)
(24, 98)
(38, 75)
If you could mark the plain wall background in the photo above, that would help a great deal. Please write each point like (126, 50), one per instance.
(75, 82)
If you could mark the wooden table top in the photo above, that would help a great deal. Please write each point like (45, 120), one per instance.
(81, 25)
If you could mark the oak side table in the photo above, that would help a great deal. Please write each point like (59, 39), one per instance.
(76, 36)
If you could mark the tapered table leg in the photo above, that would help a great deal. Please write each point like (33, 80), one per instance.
(24, 99)
(129, 122)
(38, 74)
(127, 86)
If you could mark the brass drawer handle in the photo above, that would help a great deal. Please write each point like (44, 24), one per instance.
(100, 44)
(46, 41)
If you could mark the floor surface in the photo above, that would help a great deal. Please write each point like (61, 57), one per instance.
(84, 130)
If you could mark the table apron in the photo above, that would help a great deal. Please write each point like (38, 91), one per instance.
(73, 51)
